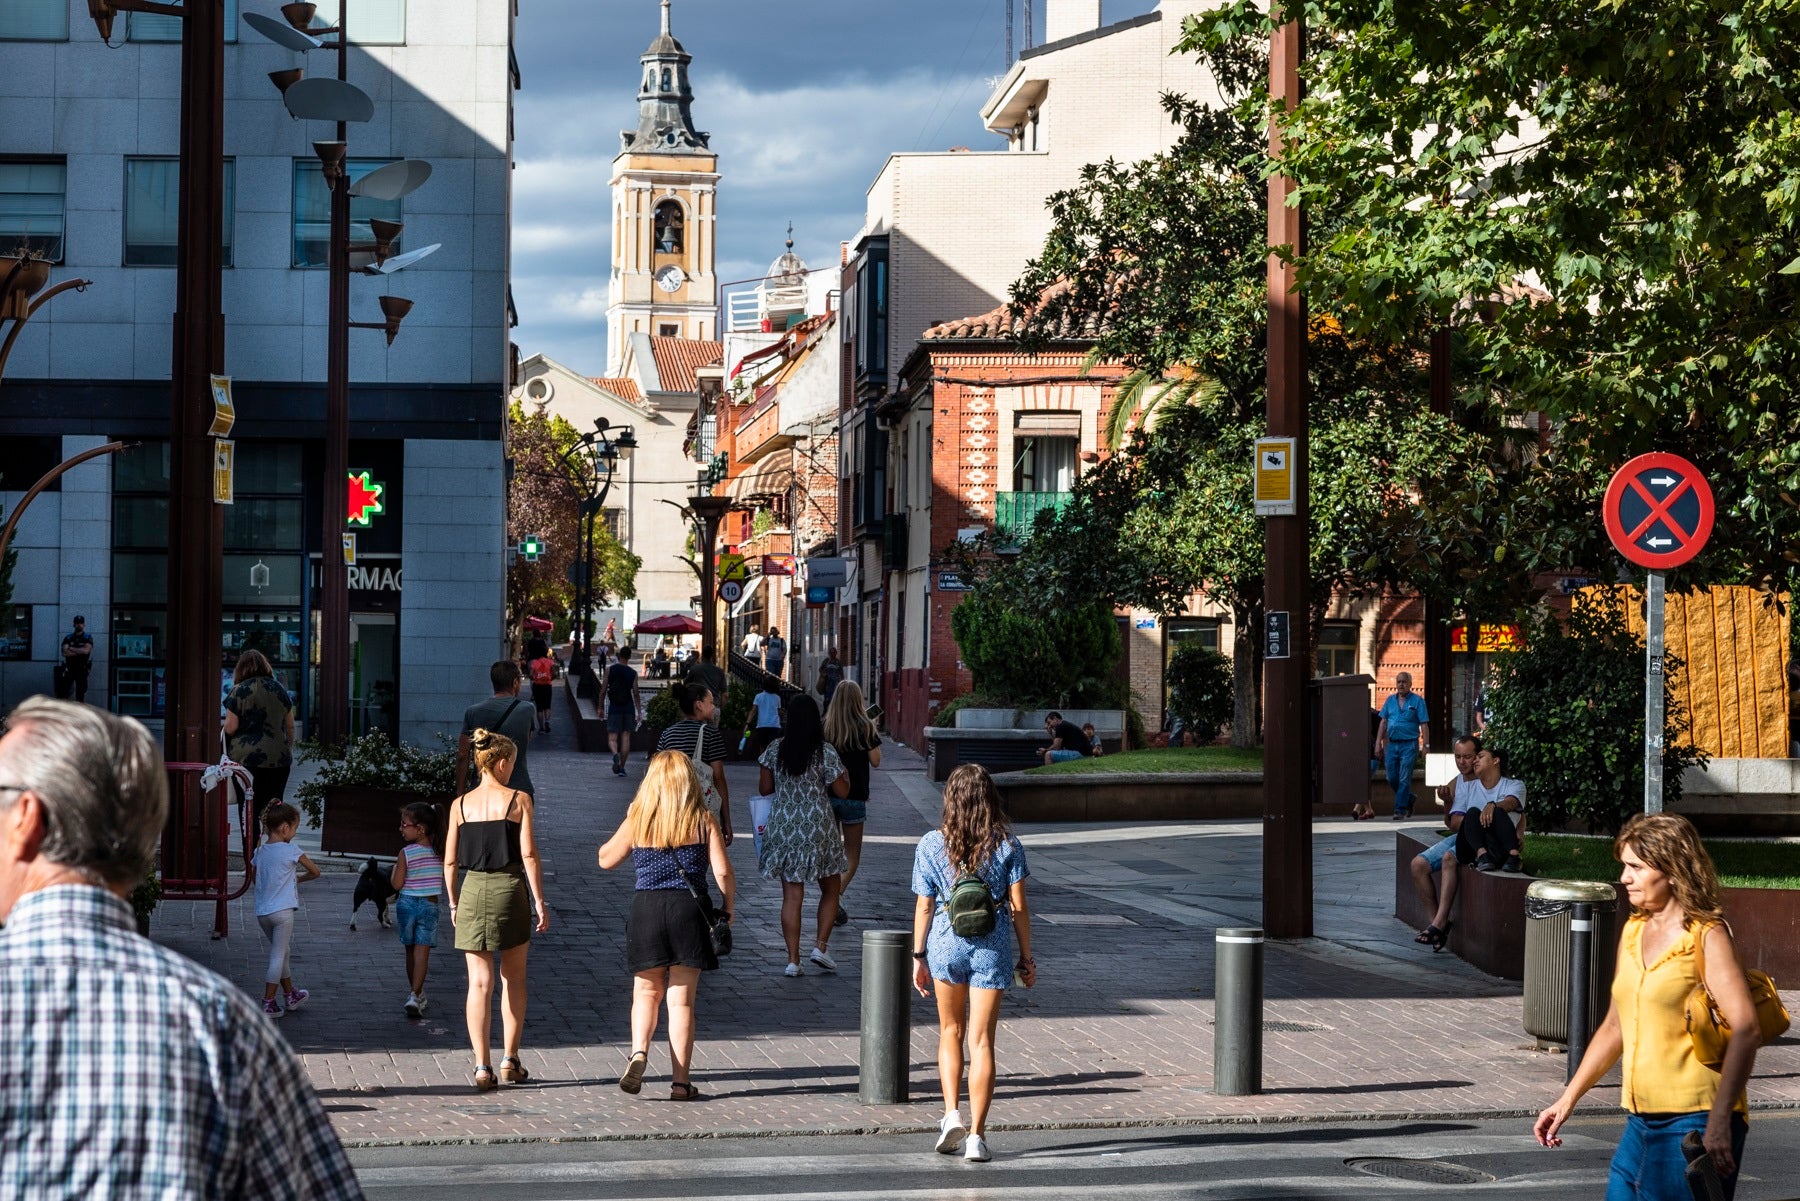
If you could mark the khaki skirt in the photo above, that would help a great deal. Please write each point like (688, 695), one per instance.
(493, 911)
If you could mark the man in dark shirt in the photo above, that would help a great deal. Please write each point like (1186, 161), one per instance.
(78, 659)
(508, 713)
(624, 705)
(1066, 740)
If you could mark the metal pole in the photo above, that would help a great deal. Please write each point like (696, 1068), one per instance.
(1438, 663)
(1581, 969)
(1287, 803)
(1237, 1011)
(1654, 689)
(886, 1017)
(708, 511)
(334, 577)
(196, 525)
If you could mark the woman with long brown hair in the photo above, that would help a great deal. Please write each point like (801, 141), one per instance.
(670, 837)
(1675, 938)
(972, 849)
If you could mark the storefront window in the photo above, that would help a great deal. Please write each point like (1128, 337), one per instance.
(1336, 655)
(15, 632)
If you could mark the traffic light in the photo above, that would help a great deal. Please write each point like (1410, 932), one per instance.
(532, 548)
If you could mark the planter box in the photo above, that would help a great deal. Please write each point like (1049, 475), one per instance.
(1488, 929)
(986, 719)
(366, 821)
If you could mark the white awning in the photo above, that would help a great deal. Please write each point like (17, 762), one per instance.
(743, 602)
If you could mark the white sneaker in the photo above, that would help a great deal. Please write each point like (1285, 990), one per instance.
(951, 1133)
(412, 1005)
(792, 969)
(421, 1004)
(975, 1150)
(823, 960)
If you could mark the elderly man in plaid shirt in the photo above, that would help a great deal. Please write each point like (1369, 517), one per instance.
(131, 1071)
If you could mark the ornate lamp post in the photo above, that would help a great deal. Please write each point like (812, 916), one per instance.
(19, 284)
(597, 456)
(708, 511)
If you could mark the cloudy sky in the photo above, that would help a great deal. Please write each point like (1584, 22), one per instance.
(804, 100)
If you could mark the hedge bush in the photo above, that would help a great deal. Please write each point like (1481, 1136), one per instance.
(1200, 690)
(1062, 658)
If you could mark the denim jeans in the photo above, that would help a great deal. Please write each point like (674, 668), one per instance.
(1400, 759)
(1649, 1166)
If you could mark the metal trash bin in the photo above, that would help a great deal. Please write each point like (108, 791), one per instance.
(1548, 907)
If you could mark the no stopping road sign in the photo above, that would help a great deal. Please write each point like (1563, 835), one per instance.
(1658, 511)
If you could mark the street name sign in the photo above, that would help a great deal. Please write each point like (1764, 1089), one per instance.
(1274, 492)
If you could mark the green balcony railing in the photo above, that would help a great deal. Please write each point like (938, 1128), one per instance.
(1015, 512)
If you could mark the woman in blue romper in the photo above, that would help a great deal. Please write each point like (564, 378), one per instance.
(969, 974)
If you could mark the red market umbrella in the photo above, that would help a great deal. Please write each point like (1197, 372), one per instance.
(539, 625)
(669, 623)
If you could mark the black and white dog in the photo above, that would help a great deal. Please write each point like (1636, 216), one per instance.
(373, 885)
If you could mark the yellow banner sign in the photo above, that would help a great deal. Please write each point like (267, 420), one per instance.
(224, 469)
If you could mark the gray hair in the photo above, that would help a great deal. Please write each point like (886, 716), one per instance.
(101, 781)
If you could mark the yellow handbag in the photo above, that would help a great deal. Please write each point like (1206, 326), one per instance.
(1707, 1027)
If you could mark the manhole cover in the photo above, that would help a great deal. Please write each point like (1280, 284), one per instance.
(1288, 1027)
(1419, 1171)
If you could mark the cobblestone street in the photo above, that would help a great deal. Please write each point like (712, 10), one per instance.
(1361, 1021)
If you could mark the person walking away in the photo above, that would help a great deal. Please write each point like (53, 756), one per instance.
(78, 659)
(1067, 742)
(493, 841)
(670, 839)
(774, 653)
(858, 743)
(1439, 859)
(697, 736)
(1488, 837)
(505, 713)
(765, 720)
(126, 1039)
(831, 674)
(277, 869)
(802, 841)
(418, 877)
(1675, 939)
(543, 684)
(259, 729)
(969, 920)
(752, 646)
(624, 706)
(1404, 728)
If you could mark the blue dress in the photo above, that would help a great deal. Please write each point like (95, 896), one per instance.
(985, 962)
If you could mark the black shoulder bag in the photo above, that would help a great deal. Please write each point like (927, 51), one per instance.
(717, 925)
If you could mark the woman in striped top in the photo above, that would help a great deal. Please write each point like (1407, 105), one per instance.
(419, 875)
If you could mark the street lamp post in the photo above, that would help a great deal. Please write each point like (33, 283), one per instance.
(19, 300)
(709, 511)
(604, 449)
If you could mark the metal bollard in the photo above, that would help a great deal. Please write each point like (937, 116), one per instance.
(886, 1059)
(1237, 1011)
(1581, 971)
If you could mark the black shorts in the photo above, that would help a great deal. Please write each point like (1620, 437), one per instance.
(665, 929)
(541, 695)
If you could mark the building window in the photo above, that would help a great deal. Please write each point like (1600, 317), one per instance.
(34, 21)
(372, 22)
(666, 330)
(31, 207)
(154, 27)
(670, 228)
(872, 320)
(312, 210)
(15, 632)
(613, 520)
(152, 209)
(1182, 631)
(1043, 464)
(1337, 648)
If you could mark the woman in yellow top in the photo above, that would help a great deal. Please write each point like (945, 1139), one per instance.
(1674, 894)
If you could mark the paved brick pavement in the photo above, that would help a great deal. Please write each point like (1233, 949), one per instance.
(1362, 1021)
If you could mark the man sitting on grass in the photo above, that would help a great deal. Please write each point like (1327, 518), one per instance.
(1066, 740)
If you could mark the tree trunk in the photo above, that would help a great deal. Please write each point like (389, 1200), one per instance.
(1244, 688)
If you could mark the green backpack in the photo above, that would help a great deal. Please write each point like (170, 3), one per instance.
(971, 907)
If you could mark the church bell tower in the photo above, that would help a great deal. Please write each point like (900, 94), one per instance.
(664, 192)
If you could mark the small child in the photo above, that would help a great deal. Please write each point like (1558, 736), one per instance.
(419, 876)
(278, 867)
(1093, 739)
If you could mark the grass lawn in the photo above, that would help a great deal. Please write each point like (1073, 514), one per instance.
(1740, 864)
(1162, 760)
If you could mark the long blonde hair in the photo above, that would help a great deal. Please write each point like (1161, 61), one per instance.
(669, 808)
(846, 725)
(1669, 843)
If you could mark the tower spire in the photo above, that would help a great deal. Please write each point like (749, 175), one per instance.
(665, 18)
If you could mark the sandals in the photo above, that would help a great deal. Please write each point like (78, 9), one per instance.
(512, 1071)
(633, 1079)
(1428, 936)
(487, 1085)
(683, 1091)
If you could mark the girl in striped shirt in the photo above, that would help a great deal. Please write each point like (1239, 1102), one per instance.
(419, 875)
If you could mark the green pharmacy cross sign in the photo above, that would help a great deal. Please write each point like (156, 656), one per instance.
(365, 498)
(532, 548)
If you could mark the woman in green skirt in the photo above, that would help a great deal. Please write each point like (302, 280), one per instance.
(492, 841)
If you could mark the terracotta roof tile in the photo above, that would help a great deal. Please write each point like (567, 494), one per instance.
(678, 358)
(622, 386)
(1000, 323)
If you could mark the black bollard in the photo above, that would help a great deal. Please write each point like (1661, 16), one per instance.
(1581, 972)
(887, 971)
(1237, 1011)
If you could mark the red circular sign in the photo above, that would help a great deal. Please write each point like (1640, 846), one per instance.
(1658, 510)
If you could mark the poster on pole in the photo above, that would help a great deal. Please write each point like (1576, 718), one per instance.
(224, 471)
(224, 412)
(1274, 493)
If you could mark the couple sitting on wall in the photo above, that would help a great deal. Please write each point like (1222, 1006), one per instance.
(1486, 820)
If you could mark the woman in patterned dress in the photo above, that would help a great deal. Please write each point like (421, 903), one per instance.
(801, 841)
(259, 729)
(969, 975)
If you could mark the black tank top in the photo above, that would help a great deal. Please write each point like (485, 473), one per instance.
(489, 846)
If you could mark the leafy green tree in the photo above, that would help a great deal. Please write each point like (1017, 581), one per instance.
(1036, 656)
(1639, 166)
(1569, 711)
(1200, 690)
